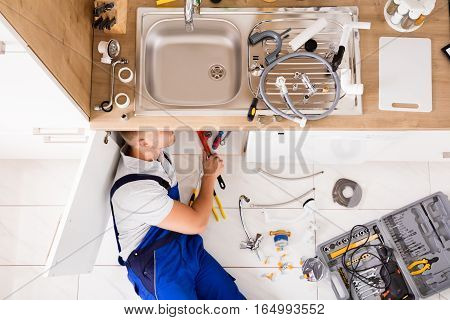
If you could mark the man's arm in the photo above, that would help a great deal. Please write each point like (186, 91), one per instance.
(187, 220)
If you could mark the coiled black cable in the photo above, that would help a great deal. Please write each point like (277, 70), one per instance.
(354, 271)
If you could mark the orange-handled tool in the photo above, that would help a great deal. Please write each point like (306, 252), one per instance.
(207, 149)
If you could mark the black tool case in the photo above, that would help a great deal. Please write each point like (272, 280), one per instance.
(417, 231)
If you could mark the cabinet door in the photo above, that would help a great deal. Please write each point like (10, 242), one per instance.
(80, 231)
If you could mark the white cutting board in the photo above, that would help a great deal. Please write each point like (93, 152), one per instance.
(405, 81)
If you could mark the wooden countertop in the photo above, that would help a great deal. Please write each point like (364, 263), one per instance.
(436, 28)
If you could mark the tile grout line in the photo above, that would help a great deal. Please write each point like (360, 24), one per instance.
(78, 287)
(321, 209)
(315, 222)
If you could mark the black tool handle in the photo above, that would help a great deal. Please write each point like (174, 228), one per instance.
(337, 59)
(221, 182)
(252, 110)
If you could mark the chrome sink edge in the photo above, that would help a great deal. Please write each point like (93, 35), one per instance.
(285, 10)
(173, 106)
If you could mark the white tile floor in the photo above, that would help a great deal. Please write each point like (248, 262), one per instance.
(31, 204)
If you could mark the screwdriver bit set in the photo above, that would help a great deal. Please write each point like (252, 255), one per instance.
(422, 231)
(418, 238)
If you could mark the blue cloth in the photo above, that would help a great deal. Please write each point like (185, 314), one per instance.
(172, 266)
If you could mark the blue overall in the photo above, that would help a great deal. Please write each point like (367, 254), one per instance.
(173, 266)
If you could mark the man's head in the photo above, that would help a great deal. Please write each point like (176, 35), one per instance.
(148, 140)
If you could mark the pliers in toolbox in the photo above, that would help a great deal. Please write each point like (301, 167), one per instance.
(420, 266)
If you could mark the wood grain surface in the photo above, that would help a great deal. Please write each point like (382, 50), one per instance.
(60, 34)
(436, 28)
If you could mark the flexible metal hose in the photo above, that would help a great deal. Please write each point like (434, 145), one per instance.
(298, 114)
(289, 178)
(244, 225)
(268, 205)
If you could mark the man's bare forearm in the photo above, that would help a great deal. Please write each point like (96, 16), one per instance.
(204, 202)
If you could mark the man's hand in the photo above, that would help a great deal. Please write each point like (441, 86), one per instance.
(212, 165)
(194, 220)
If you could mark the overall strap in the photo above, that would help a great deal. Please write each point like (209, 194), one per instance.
(124, 180)
(167, 157)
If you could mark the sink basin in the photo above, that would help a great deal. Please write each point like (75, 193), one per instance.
(193, 69)
(206, 72)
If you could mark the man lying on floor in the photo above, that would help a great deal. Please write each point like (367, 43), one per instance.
(157, 235)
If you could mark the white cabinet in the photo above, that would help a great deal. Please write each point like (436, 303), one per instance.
(346, 147)
(32, 102)
(81, 228)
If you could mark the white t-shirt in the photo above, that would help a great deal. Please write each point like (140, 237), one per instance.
(140, 204)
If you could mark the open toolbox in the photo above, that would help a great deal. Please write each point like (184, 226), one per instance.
(403, 255)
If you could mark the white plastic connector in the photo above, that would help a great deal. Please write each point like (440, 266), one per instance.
(307, 34)
(348, 27)
(301, 121)
(348, 86)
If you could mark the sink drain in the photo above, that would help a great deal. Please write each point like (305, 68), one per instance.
(217, 72)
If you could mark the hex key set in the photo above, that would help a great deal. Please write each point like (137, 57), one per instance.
(404, 255)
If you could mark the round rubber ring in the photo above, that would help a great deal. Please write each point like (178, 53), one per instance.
(122, 105)
(130, 77)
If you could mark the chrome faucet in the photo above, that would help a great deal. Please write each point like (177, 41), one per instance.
(191, 7)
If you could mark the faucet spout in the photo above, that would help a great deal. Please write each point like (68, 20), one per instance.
(191, 7)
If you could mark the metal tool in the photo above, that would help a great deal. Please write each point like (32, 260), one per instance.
(344, 277)
(420, 266)
(432, 225)
(353, 245)
(373, 270)
(217, 140)
(194, 196)
(363, 257)
(367, 290)
(375, 292)
(309, 86)
(251, 243)
(208, 151)
(107, 105)
(96, 24)
(224, 138)
(358, 284)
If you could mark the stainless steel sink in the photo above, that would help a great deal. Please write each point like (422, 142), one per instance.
(193, 69)
(206, 72)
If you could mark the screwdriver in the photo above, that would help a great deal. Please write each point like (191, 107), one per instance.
(207, 149)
